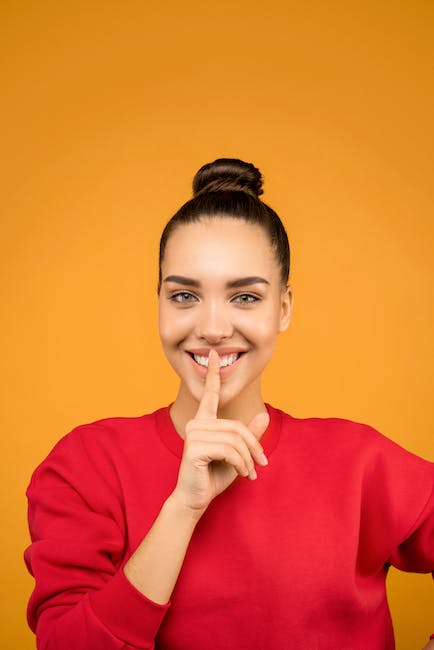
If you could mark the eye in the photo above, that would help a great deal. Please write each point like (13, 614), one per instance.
(245, 298)
(183, 297)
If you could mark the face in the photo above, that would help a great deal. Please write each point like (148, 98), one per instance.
(221, 289)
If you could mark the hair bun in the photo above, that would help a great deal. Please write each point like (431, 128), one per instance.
(230, 175)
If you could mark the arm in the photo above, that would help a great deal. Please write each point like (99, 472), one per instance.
(82, 599)
(397, 513)
(85, 597)
(416, 552)
(154, 568)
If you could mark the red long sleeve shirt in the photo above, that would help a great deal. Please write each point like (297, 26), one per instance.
(296, 559)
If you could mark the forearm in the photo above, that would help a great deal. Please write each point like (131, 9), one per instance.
(215, 453)
(117, 612)
(154, 567)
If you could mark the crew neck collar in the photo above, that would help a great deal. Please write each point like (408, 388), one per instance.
(173, 441)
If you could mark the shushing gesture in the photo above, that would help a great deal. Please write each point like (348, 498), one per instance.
(216, 451)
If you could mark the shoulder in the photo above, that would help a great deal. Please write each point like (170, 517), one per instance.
(330, 428)
(98, 446)
(356, 440)
(387, 477)
(111, 430)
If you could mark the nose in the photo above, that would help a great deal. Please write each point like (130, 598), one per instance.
(213, 324)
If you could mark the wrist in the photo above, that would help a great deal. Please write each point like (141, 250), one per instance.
(177, 507)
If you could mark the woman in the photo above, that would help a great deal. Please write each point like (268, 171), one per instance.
(221, 522)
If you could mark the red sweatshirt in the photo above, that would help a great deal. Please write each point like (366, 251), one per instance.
(294, 560)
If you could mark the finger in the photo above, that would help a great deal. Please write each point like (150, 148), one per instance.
(257, 426)
(248, 435)
(221, 452)
(226, 438)
(211, 393)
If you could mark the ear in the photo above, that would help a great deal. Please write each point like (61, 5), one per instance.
(286, 304)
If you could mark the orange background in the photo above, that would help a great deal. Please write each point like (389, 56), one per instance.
(108, 110)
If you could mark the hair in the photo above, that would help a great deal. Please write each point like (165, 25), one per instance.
(230, 188)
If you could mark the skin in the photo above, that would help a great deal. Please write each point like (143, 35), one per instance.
(212, 315)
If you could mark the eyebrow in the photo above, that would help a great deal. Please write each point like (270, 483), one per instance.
(232, 284)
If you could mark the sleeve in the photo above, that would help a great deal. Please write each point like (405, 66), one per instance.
(397, 510)
(82, 599)
(416, 551)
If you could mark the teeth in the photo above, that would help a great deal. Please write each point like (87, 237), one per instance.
(202, 361)
(228, 360)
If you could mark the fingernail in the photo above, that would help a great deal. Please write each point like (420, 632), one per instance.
(252, 475)
(263, 459)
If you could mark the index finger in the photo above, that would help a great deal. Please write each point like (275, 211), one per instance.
(211, 393)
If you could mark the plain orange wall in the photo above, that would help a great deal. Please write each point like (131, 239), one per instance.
(108, 110)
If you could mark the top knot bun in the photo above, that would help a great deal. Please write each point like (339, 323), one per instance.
(228, 175)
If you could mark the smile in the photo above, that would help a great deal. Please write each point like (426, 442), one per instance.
(225, 359)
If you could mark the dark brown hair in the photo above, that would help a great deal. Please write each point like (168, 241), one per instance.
(229, 187)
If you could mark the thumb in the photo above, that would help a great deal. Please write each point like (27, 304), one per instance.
(259, 424)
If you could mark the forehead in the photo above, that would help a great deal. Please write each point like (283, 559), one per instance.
(219, 247)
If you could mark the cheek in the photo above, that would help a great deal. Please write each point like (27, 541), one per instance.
(173, 325)
(165, 324)
(262, 327)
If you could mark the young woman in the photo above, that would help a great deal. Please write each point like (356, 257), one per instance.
(221, 522)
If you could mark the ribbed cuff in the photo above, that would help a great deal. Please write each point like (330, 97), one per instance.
(127, 613)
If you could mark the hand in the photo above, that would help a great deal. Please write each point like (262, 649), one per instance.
(429, 646)
(216, 451)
